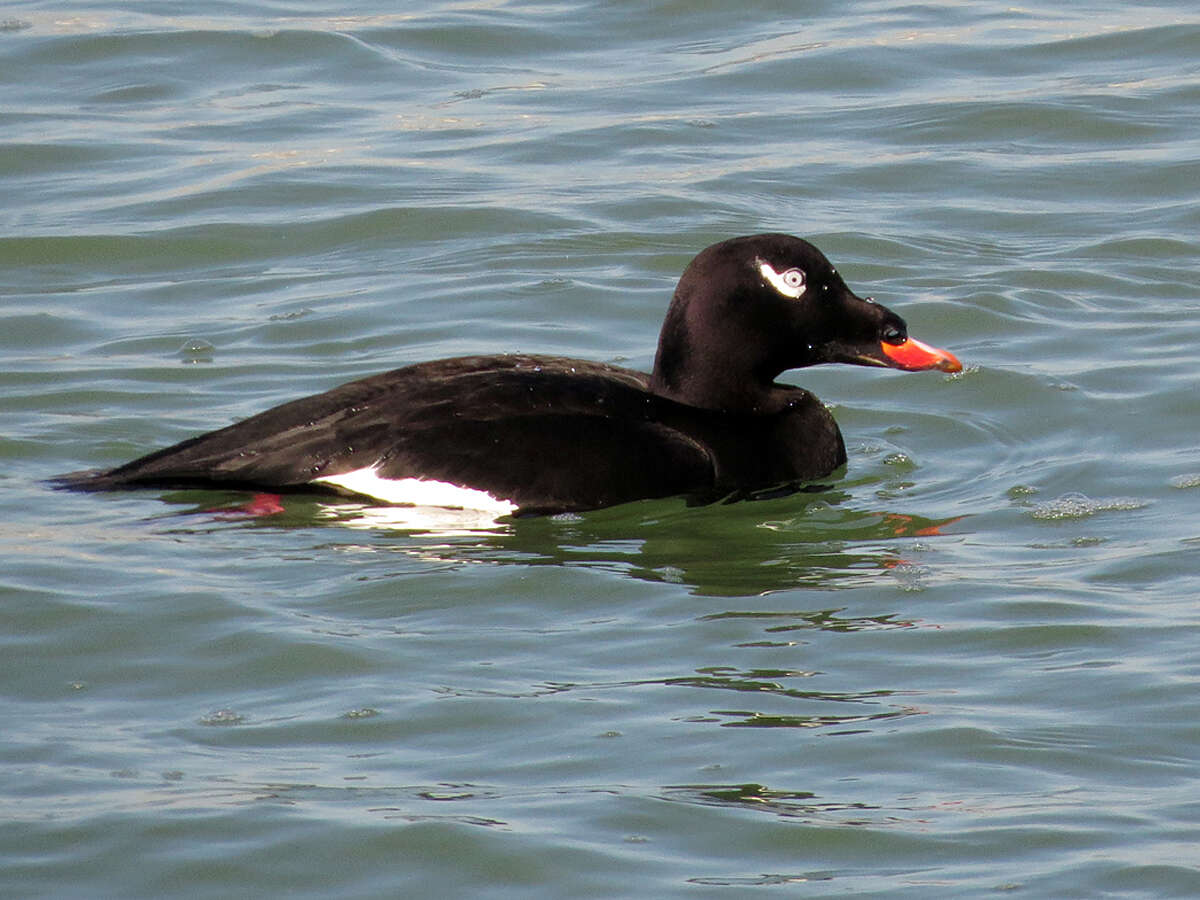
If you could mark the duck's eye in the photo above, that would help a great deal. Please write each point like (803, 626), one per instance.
(790, 282)
(894, 335)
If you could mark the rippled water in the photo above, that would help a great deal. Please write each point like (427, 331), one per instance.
(970, 667)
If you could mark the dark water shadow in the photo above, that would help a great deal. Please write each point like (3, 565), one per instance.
(805, 540)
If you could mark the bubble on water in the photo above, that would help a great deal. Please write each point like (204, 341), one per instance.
(196, 350)
(1183, 482)
(1080, 506)
(671, 574)
(909, 576)
(291, 316)
(222, 717)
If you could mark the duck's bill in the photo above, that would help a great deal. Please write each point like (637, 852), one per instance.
(911, 355)
(916, 356)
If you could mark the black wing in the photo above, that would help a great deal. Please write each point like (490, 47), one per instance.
(546, 433)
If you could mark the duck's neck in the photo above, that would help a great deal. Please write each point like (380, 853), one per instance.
(710, 377)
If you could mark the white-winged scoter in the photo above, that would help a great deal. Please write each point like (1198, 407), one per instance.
(540, 434)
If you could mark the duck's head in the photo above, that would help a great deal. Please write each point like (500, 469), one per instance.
(749, 308)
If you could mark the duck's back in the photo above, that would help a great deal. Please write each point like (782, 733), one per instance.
(540, 432)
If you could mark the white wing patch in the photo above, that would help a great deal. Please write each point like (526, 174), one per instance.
(790, 283)
(417, 492)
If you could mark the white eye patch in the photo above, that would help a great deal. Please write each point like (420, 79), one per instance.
(790, 283)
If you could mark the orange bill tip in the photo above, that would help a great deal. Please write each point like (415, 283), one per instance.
(915, 356)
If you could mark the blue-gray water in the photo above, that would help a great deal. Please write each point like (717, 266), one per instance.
(970, 669)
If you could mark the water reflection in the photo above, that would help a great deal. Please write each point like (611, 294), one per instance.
(742, 549)
(864, 706)
(792, 804)
(766, 698)
(824, 619)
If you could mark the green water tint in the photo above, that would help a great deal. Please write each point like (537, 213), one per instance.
(968, 667)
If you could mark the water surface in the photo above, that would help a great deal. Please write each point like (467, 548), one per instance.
(969, 667)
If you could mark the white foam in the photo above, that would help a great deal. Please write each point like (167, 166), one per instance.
(417, 492)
